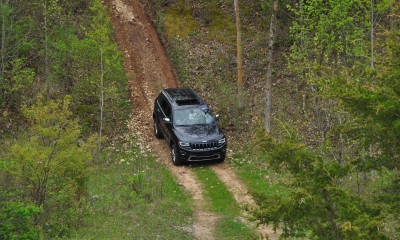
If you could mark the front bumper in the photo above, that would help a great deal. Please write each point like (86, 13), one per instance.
(197, 155)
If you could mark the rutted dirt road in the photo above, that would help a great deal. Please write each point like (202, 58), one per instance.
(149, 71)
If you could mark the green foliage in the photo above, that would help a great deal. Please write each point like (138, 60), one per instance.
(62, 56)
(17, 220)
(97, 57)
(183, 21)
(328, 34)
(349, 111)
(221, 201)
(373, 99)
(52, 164)
(180, 22)
(375, 103)
(134, 197)
(220, 24)
(234, 229)
(100, 28)
(140, 188)
(316, 202)
(257, 174)
(54, 47)
(17, 83)
(359, 72)
(16, 77)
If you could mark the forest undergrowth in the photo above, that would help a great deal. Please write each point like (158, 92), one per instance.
(69, 166)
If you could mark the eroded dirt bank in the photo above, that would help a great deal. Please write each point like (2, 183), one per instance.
(149, 71)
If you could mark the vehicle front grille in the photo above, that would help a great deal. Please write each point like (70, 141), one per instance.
(204, 146)
(204, 158)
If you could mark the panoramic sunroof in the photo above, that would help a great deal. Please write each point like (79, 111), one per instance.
(186, 101)
(183, 96)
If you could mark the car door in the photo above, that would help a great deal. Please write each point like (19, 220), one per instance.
(158, 110)
(164, 113)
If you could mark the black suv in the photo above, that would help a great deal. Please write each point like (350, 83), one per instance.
(186, 123)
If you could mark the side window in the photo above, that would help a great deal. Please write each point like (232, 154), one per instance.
(165, 107)
(168, 111)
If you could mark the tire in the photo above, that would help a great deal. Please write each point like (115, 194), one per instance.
(156, 129)
(174, 156)
(221, 160)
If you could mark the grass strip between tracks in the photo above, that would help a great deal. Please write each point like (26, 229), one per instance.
(221, 201)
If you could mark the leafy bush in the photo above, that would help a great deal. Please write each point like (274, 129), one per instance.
(317, 205)
(17, 220)
(52, 165)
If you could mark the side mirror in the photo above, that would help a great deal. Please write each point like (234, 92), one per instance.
(167, 120)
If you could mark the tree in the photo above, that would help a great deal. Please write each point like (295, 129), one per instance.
(331, 39)
(18, 81)
(52, 164)
(16, 77)
(239, 56)
(270, 60)
(109, 73)
(100, 32)
(374, 101)
(5, 12)
(350, 62)
(316, 206)
(351, 75)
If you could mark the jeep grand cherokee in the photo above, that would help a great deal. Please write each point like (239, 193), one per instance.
(185, 121)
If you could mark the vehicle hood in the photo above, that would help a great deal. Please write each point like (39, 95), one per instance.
(197, 133)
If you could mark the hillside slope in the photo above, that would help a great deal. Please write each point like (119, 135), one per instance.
(149, 71)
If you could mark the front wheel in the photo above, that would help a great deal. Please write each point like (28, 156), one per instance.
(220, 160)
(174, 156)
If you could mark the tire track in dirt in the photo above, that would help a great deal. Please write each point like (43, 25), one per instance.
(149, 71)
(244, 199)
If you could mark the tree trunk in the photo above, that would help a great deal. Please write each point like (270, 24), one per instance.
(101, 96)
(268, 105)
(3, 39)
(372, 34)
(239, 60)
(3, 43)
(46, 58)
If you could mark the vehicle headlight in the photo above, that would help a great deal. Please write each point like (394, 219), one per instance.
(221, 141)
(184, 144)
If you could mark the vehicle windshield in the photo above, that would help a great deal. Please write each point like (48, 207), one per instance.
(192, 116)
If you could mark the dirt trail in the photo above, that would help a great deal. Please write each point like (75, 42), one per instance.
(149, 71)
(241, 195)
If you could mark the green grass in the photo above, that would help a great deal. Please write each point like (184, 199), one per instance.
(258, 177)
(219, 198)
(131, 196)
(233, 228)
(262, 182)
(179, 21)
(221, 201)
